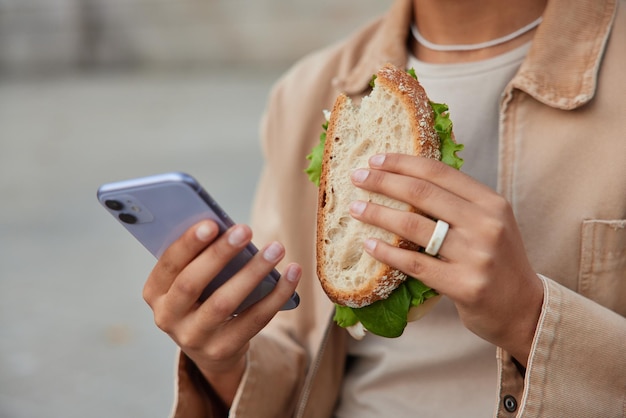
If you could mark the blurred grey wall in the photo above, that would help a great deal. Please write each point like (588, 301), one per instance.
(44, 36)
(93, 91)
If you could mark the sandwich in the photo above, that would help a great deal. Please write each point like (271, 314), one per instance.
(396, 117)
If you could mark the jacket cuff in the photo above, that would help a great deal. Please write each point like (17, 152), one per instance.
(271, 382)
(194, 397)
(576, 366)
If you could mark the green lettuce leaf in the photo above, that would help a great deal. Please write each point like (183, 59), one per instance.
(419, 291)
(373, 81)
(387, 317)
(443, 126)
(314, 170)
(344, 316)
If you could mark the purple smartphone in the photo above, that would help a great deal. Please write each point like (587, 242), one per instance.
(158, 209)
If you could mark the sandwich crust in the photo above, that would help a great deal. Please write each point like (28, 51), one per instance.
(395, 117)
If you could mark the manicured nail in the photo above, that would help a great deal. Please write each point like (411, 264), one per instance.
(360, 175)
(370, 244)
(377, 160)
(293, 273)
(358, 207)
(203, 232)
(237, 236)
(273, 252)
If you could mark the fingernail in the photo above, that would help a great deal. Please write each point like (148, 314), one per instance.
(293, 273)
(360, 175)
(377, 160)
(370, 244)
(273, 252)
(203, 232)
(357, 207)
(237, 236)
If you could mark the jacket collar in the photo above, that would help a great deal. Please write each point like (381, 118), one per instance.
(388, 44)
(561, 68)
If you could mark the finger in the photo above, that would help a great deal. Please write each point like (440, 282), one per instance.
(409, 225)
(228, 297)
(425, 196)
(176, 258)
(193, 279)
(221, 341)
(430, 270)
(435, 172)
(251, 321)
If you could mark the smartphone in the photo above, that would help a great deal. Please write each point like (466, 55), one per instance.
(157, 209)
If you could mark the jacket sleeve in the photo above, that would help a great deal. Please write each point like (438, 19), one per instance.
(577, 366)
(268, 389)
(272, 380)
(193, 395)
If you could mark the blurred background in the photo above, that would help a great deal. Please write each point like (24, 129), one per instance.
(93, 91)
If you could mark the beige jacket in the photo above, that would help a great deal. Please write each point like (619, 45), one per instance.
(562, 166)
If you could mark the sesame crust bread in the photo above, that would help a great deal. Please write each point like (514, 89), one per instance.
(396, 117)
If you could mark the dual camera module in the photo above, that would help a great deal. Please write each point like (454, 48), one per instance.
(118, 206)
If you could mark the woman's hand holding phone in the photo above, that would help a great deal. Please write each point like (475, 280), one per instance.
(208, 332)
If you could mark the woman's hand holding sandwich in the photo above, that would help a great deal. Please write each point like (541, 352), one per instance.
(481, 265)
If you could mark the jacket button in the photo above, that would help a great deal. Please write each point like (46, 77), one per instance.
(510, 404)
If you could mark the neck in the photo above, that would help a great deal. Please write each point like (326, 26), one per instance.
(447, 22)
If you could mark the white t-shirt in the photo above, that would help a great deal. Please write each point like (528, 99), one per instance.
(438, 368)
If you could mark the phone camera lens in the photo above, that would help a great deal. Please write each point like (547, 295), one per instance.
(128, 218)
(114, 204)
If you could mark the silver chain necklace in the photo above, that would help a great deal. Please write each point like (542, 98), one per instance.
(472, 47)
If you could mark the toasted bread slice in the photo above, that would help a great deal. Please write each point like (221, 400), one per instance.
(396, 117)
